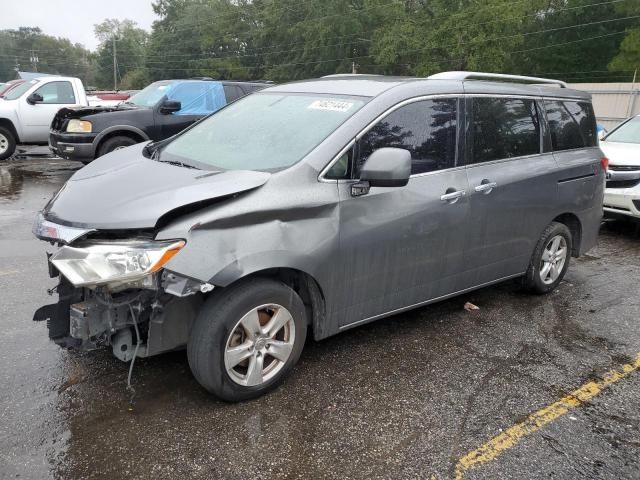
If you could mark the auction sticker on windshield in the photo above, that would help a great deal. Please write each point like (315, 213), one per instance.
(333, 105)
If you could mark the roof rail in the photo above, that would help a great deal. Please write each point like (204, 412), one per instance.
(500, 77)
(351, 75)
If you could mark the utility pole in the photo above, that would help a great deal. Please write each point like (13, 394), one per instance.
(353, 68)
(34, 61)
(115, 65)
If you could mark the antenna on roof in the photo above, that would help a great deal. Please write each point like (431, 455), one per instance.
(499, 77)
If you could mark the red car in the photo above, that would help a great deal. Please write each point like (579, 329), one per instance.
(110, 95)
(9, 86)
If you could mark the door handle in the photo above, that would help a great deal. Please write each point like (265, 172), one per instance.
(485, 187)
(452, 197)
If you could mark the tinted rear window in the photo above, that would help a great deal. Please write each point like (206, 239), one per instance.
(504, 128)
(572, 124)
(233, 92)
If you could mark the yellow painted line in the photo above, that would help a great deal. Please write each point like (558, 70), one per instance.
(510, 437)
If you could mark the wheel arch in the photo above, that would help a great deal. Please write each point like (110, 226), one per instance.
(573, 223)
(304, 284)
(8, 124)
(119, 131)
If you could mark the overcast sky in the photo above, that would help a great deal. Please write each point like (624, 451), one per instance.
(73, 19)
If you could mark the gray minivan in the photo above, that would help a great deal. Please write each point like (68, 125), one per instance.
(319, 206)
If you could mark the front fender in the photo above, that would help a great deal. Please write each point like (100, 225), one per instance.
(257, 262)
(9, 119)
(119, 128)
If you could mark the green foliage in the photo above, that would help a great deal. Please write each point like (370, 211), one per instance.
(130, 44)
(280, 40)
(135, 79)
(54, 55)
(628, 58)
(585, 36)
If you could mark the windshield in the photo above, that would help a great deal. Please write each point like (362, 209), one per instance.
(262, 131)
(628, 132)
(16, 92)
(150, 95)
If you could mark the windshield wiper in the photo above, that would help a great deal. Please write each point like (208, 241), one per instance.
(155, 155)
(177, 163)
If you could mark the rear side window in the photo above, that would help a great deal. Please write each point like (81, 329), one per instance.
(427, 129)
(504, 128)
(197, 98)
(572, 124)
(233, 92)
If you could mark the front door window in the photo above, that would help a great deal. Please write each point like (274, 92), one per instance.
(57, 93)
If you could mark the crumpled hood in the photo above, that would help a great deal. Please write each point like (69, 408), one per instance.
(125, 190)
(77, 112)
(621, 153)
(103, 112)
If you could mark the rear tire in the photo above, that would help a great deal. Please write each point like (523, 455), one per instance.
(7, 143)
(550, 259)
(247, 338)
(115, 143)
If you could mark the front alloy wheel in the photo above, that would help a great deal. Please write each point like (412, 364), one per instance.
(260, 345)
(247, 338)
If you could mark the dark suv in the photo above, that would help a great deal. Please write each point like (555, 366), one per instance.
(159, 111)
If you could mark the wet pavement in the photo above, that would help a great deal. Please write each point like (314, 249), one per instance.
(406, 397)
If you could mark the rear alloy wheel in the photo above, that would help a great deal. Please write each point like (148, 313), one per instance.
(550, 259)
(554, 256)
(247, 338)
(7, 143)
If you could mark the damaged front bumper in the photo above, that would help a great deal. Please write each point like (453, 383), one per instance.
(116, 293)
(159, 318)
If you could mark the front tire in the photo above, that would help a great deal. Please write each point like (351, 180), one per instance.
(7, 143)
(550, 259)
(115, 143)
(247, 338)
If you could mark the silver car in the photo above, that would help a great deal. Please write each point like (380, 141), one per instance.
(622, 148)
(318, 206)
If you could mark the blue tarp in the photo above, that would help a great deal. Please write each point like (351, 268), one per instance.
(197, 97)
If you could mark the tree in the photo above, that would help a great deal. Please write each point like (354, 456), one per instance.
(28, 49)
(573, 40)
(131, 44)
(628, 58)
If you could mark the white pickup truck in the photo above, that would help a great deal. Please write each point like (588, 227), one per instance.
(27, 110)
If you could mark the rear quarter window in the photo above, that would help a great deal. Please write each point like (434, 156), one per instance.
(233, 92)
(571, 124)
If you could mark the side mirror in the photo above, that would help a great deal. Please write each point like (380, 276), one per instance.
(386, 167)
(170, 106)
(34, 98)
(601, 134)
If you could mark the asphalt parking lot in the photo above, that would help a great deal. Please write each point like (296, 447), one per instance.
(526, 386)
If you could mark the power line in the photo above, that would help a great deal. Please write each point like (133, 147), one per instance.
(439, 19)
(354, 58)
(210, 57)
(423, 49)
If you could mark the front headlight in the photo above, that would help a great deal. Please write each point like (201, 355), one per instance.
(79, 126)
(101, 263)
